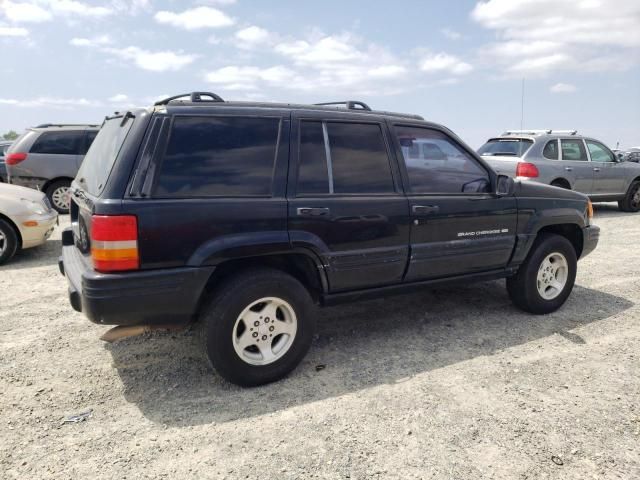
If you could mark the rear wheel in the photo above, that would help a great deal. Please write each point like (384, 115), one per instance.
(8, 242)
(58, 193)
(545, 280)
(258, 327)
(631, 201)
(562, 184)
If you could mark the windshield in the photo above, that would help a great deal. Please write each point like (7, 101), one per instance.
(98, 162)
(512, 147)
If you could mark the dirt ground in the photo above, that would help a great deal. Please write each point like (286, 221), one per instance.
(449, 384)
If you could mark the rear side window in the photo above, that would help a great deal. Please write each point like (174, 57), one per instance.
(573, 150)
(89, 137)
(59, 143)
(436, 164)
(343, 158)
(219, 156)
(551, 150)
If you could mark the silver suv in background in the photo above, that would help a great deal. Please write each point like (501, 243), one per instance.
(4, 146)
(565, 159)
(47, 158)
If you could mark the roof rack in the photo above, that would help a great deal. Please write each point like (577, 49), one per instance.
(194, 97)
(350, 104)
(564, 132)
(540, 132)
(47, 125)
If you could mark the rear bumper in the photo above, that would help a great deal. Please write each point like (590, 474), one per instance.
(154, 297)
(30, 182)
(590, 237)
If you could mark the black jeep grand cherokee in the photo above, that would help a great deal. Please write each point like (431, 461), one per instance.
(243, 216)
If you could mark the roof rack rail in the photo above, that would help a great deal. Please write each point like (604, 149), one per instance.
(526, 132)
(564, 132)
(350, 104)
(194, 97)
(47, 125)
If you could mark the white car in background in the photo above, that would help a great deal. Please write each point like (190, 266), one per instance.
(26, 219)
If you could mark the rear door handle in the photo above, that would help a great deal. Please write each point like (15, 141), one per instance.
(596, 169)
(425, 209)
(312, 211)
(568, 169)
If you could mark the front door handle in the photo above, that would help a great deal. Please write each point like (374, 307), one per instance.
(596, 169)
(425, 209)
(568, 169)
(312, 211)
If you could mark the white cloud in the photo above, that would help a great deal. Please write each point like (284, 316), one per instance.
(562, 88)
(73, 7)
(545, 36)
(13, 32)
(252, 37)
(327, 50)
(247, 77)
(91, 42)
(160, 61)
(24, 12)
(195, 18)
(451, 34)
(444, 63)
(387, 71)
(52, 102)
(119, 98)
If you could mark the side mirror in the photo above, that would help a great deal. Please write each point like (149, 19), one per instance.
(619, 157)
(504, 186)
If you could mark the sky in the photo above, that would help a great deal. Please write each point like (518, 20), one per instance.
(459, 63)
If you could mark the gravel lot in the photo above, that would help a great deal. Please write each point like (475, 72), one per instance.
(451, 383)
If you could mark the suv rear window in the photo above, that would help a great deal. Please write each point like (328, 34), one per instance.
(98, 162)
(219, 156)
(59, 143)
(512, 147)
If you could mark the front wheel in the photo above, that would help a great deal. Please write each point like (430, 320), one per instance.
(258, 327)
(8, 242)
(631, 201)
(545, 280)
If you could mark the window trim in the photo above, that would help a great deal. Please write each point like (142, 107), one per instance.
(161, 151)
(405, 174)
(331, 194)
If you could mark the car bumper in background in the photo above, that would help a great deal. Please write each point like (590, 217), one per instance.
(167, 296)
(590, 237)
(36, 229)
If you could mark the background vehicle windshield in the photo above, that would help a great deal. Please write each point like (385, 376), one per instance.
(97, 164)
(513, 147)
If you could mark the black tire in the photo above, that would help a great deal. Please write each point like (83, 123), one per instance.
(51, 191)
(631, 201)
(8, 241)
(218, 319)
(523, 288)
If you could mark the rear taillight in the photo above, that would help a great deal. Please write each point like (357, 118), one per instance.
(525, 169)
(15, 158)
(114, 243)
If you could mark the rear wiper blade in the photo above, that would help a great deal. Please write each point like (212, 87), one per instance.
(504, 154)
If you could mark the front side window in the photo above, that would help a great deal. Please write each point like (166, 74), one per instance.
(219, 156)
(573, 150)
(436, 164)
(343, 158)
(599, 153)
(551, 150)
(59, 143)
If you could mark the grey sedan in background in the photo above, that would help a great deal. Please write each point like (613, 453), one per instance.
(4, 146)
(565, 159)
